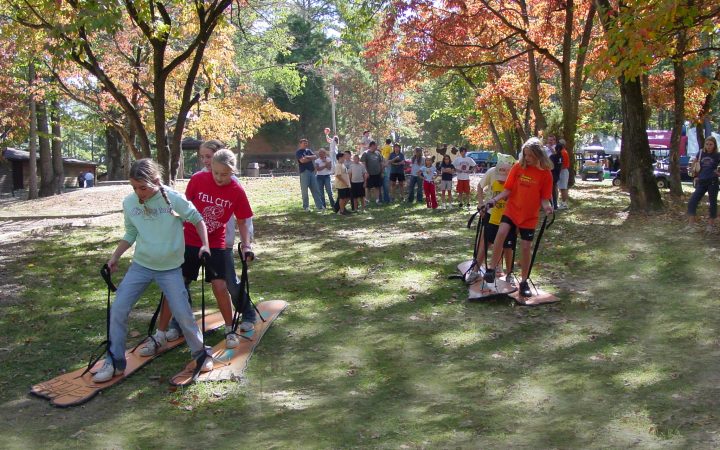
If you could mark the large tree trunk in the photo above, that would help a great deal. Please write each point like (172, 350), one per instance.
(57, 160)
(679, 94)
(32, 187)
(47, 176)
(636, 160)
(113, 152)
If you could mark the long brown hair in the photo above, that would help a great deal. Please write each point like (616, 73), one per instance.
(535, 146)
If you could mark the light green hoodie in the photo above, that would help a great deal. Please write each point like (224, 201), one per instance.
(158, 234)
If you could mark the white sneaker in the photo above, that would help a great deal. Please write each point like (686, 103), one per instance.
(153, 345)
(106, 372)
(472, 277)
(207, 365)
(172, 334)
(231, 340)
(246, 325)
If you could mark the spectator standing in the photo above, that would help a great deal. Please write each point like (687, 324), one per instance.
(342, 182)
(81, 179)
(332, 146)
(556, 161)
(89, 179)
(707, 181)
(396, 160)
(365, 141)
(428, 174)
(564, 177)
(373, 161)
(385, 151)
(323, 171)
(464, 165)
(358, 183)
(446, 176)
(308, 180)
(417, 163)
(550, 145)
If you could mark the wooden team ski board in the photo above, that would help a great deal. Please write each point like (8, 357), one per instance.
(480, 290)
(229, 364)
(71, 390)
(484, 291)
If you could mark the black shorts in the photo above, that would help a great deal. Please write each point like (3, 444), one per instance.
(374, 181)
(357, 190)
(397, 177)
(526, 234)
(490, 231)
(344, 193)
(191, 266)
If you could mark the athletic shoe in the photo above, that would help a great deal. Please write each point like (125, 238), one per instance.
(709, 229)
(172, 334)
(690, 228)
(207, 365)
(489, 276)
(472, 277)
(525, 289)
(231, 340)
(246, 325)
(106, 372)
(152, 345)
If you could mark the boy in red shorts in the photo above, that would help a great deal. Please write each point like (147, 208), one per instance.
(464, 166)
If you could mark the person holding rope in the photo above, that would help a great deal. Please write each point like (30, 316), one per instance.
(528, 186)
(494, 182)
(154, 217)
(217, 196)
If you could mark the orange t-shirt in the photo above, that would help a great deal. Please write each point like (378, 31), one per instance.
(565, 159)
(528, 187)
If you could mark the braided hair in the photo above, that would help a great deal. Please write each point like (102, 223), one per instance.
(149, 172)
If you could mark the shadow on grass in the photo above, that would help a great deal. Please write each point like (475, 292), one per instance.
(379, 349)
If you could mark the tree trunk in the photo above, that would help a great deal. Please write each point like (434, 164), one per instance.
(679, 116)
(637, 163)
(47, 176)
(32, 187)
(57, 157)
(113, 152)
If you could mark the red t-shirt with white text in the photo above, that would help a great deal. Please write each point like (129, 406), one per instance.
(216, 204)
(528, 187)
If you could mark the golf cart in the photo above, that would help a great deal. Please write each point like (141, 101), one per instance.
(593, 162)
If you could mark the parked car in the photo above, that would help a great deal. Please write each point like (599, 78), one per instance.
(483, 159)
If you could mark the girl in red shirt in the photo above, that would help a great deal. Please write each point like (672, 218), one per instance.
(528, 186)
(217, 196)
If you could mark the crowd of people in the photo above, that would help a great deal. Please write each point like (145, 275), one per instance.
(377, 175)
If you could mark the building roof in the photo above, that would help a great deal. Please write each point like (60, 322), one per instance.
(13, 154)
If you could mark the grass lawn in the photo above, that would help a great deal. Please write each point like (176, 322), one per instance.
(379, 349)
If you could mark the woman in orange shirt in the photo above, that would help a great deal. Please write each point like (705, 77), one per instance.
(529, 185)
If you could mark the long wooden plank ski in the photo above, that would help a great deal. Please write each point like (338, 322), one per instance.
(71, 389)
(228, 363)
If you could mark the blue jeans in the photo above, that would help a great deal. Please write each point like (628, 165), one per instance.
(386, 185)
(711, 187)
(415, 182)
(233, 286)
(131, 288)
(324, 185)
(308, 180)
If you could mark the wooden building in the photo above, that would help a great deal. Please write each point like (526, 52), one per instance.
(15, 170)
